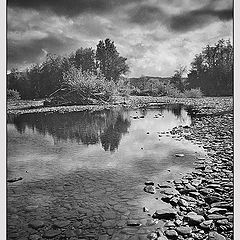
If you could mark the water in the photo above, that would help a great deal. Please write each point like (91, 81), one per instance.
(46, 145)
(95, 162)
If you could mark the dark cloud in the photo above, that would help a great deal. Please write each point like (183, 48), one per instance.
(70, 7)
(146, 14)
(25, 53)
(185, 21)
(198, 18)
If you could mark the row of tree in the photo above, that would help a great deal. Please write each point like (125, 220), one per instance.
(41, 80)
(94, 70)
(211, 71)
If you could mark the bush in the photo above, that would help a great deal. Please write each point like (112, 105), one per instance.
(13, 94)
(193, 93)
(172, 91)
(88, 84)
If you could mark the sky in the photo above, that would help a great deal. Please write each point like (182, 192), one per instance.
(156, 36)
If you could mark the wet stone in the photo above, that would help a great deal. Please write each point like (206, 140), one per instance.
(206, 224)
(51, 233)
(184, 230)
(215, 236)
(150, 189)
(172, 234)
(36, 224)
(195, 219)
(165, 213)
(216, 217)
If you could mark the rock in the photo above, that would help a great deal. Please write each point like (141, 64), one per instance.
(36, 224)
(151, 222)
(169, 224)
(170, 191)
(164, 186)
(207, 224)
(223, 222)
(182, 202)
(145, 209)
(61, 224)
(166, 198)
(215, 236)
(195, 219)
(133, 223)
(51, 233)
(165, 213)
(35, 237)
(109, 223)
(179, 155)
(172, 234)
(216, 217)
(152, 236)
(103, 237)
(150, 189)
(151, 183)
(14, 179)
(217, 210)
(173, 201)
(184, 230)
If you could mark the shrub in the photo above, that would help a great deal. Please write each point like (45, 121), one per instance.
(193, 93)
(13, 94)
(172, 91)
(87, 84)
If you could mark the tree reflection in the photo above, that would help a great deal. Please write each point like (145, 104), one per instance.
(86, 127)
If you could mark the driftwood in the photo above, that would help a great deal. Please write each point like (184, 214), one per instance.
(65, 96)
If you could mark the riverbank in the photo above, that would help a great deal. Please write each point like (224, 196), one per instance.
(200, 204)
(203, 201)
(206, 105)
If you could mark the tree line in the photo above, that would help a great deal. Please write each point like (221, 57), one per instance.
(41, 80)
(101, 70)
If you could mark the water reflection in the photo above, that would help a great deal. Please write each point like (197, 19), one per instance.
(106, 127)
(86, 127)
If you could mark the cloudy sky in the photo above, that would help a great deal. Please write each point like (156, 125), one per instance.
(156, 36)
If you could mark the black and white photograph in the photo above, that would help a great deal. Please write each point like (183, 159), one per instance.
(120, 120)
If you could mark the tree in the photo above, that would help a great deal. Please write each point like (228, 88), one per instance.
(212, 70)
(110, 63)
(85, 59)
(177, 79)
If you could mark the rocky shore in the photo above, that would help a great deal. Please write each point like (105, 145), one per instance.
(202, 202)
(199, 205)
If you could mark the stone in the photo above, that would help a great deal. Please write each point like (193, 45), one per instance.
(217, 210)
(149, 182)
(182, 202)
(215, 236)
(133, 223)
(51, 233)
(145, 209)
(169, 224)
(216, 217)
(36, 224)
(184, 230)
(208, 224)
(170, 191)
(103, 237)
(61, 224)
(195, 219)
(172, 234)
(152, 236)
(179, 155)
(109, 223)
(150, 189)
(35, 237)
(165, 213)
